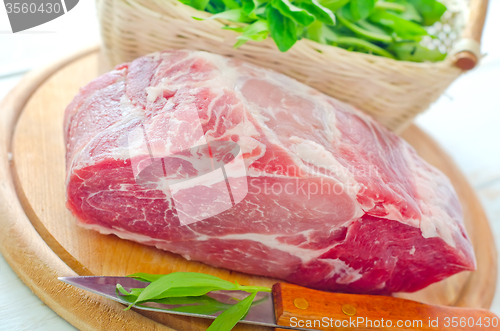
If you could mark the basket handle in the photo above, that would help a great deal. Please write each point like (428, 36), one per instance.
(467, 51)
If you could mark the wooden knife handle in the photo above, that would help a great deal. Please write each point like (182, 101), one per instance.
(300, 307)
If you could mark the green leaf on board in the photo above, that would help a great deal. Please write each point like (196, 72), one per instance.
(188, 290)
(145, 277)
(228, 319)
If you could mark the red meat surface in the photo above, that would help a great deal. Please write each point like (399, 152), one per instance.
(243, 168)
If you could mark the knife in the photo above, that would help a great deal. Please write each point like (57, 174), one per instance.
(292, 307)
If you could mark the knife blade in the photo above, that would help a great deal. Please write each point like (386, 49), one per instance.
(259, 314)
(292, 307)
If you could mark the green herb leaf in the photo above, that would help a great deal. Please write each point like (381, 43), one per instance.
(120, 288)
(397, 7)
(321, 33)
(196, 305)
(297, 14)
(198, 4)
(282, 29)
(217, 6)
(371, 35)
(256, 31)
(413, 51)
(334, 5)
(360, 9)
(239, 29)
(410, 13)
(234, 15)
(179, 284)
(228, 319)
(315, 32)
(192, 282)
(261, 11)
(200, 309)
(363, 45)
(372, 28)
(199, 300)
(431, 10)
(321, 13)
(231, 4)
(129, 298)
(249, 6)
(329, 34)
(403, 28)
(383, 27)
(136, 291)
(211, 9)
(145, 277)
(187, 289)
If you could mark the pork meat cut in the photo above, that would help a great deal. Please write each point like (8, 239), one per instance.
(243, 168)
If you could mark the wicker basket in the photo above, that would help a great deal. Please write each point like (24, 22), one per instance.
(393, 92)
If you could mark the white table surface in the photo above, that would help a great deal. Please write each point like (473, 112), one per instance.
(465, 121)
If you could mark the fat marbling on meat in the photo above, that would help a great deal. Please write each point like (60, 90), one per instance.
(243, 168)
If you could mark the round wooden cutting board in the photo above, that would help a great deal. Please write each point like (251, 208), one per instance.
(41, 241)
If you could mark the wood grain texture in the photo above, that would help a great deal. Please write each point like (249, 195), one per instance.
(346, 308)
(27, 253)
(37, 173)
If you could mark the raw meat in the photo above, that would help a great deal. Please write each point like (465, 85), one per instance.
(243, 168)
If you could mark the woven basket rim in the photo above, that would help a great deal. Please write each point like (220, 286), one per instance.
(391, 91)
(324, 49)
